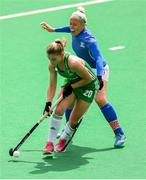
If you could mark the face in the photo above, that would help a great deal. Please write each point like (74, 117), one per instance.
(75, 26)
(55, 59)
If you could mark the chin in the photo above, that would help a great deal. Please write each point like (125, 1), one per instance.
(74, 33)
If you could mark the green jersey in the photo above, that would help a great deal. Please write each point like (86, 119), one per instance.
(86, 92)
(72, 77)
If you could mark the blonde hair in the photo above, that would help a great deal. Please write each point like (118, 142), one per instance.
(80, 14)
(56, 47)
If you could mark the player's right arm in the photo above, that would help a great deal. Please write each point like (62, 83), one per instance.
(51, 89)
(52, 83)
(49, 28)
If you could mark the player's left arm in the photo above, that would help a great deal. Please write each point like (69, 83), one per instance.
(94, 51)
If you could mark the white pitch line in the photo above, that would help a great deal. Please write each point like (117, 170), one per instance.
(52, 9)
(116, 48)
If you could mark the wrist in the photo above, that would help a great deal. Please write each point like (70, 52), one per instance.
(71, 86)
(49, 103)
(99, 78)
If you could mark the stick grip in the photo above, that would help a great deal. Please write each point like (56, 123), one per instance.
(52, 108)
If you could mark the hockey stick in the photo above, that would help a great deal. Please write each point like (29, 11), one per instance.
(12, 150)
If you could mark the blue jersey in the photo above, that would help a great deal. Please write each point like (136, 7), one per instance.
(85, 46)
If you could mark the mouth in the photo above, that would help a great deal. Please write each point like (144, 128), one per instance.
(72, 30)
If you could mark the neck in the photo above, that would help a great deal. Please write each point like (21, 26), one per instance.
(80, 31)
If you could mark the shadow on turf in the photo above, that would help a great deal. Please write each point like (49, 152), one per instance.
(73, 158)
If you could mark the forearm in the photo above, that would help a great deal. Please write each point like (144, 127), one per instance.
(51, 93)
(52, 83)
(99, 66)
(93, 48)
(65, 29)
(81, 83)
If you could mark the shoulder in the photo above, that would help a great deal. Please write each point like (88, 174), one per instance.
(88, 37)
(74, 62)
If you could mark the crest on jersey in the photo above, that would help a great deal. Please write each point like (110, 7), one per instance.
(82, 45)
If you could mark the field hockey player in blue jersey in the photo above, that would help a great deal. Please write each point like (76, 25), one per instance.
(86, 47)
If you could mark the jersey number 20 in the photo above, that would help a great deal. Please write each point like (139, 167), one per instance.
(88, 93)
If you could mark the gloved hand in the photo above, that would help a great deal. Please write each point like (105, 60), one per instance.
(47, 108)
(100, 82)
(67, 91)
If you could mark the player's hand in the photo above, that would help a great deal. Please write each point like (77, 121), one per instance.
(47, 108)
(100, 82)
(46, 26)
(67, 91)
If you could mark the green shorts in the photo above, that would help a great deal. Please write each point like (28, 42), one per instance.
(87, 92)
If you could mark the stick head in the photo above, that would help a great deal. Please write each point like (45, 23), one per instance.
(11, 152)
